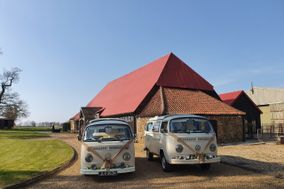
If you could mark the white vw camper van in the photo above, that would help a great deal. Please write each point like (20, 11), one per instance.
(107, 148)
(181, 139)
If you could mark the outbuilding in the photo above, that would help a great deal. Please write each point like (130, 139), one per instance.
(241, 101)
(167, 86)
(74, 123)
(271, 102)
(6, 123)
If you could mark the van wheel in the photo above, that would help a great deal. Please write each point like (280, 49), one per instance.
(149, 155)
(165, 165)
(205, 167)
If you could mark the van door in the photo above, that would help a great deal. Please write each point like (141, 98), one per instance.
(155, 147)
(163, 134)
(148, 135)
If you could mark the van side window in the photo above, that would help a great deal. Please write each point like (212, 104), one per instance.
(164, 128)
(156, 127)
(149, 126)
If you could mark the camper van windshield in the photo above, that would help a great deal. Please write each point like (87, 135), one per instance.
(99, 133)
(190, 125)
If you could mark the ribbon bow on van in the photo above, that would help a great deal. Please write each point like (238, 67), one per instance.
(197, 153)
(108, 161)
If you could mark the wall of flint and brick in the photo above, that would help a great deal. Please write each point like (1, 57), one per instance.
(140, 125)
(229, 128)
(73, 126)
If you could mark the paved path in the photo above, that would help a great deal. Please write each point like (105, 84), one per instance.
(150, 175)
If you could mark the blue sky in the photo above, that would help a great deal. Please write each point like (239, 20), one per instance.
(69, 50)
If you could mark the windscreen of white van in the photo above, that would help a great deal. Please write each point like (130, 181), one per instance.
(109, 132)
(190, 125)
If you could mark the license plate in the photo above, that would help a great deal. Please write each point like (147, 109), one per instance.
(107, 173)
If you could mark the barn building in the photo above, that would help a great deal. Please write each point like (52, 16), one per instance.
(167, 86)
(74, 123)
(241, 101)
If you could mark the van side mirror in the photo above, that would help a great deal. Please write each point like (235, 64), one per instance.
(79, 137)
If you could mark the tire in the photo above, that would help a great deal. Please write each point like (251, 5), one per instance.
(205, 167)
(149, 155)
(166, 167)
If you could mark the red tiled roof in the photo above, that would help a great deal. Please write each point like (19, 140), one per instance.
(126, 93)
(231, 97)
(182, 101)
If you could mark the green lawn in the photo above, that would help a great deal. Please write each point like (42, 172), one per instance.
(22, 159)
(26, 128)
(21, 134)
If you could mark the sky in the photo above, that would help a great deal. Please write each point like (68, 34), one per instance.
(70, 49)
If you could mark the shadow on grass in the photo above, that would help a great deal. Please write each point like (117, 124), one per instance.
(252, 165)
(8, 177)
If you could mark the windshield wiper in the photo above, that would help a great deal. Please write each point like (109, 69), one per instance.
(89, 140)
(121, 139)
(98, 139)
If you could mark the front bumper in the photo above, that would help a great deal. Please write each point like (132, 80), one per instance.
(98, 171)
(194, 161)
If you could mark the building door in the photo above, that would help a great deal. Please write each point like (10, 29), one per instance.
(250, 129)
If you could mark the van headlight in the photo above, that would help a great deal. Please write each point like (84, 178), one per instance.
(89, 158)
(126, 156)
(213, 147)
(179, 148)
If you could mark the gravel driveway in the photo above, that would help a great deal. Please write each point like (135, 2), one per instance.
(149, 175)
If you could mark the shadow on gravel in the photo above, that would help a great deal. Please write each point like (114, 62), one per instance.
(150, 175)
(146, 170)
(252, 165)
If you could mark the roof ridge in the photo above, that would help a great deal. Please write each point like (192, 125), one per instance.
(272, 88)
(174, 67)
(144, 66)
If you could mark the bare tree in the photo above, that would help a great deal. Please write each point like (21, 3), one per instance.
(11, 106)
(7, 79)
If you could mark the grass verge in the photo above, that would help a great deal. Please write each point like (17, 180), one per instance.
(24, 159)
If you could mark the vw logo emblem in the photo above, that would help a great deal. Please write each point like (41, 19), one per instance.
(197, 147)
